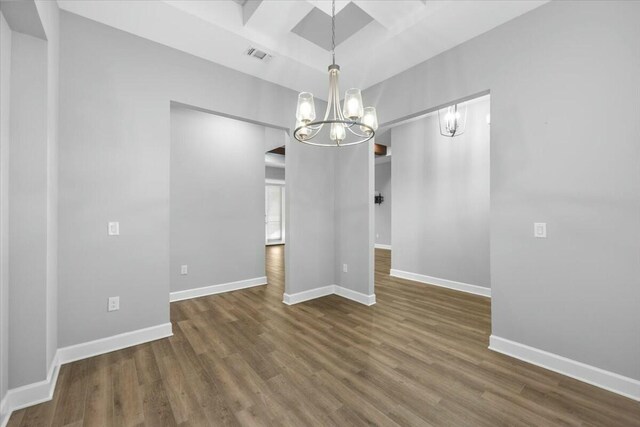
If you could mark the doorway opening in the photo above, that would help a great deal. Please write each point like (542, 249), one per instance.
(274, 214)
(217, 202)
(274, 209)
(274, 228)
(440, 210)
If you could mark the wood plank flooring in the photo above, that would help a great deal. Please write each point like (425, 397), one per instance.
(418, 357)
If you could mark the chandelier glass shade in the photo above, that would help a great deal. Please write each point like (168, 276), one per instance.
(352, 124)
(453, 120)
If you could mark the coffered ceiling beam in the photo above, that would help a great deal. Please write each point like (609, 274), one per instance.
(249, 9)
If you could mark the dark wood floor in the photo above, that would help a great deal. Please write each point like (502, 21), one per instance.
(418, 357)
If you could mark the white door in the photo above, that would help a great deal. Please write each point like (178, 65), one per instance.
(274, 214)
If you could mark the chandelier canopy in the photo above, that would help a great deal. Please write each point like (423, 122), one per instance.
(349, 125)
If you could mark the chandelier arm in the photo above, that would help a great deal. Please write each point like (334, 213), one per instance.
(336, 100)
(338, 109)
(319, 124)
(314, 133)
(329, 101)
(356, 142)
(342, 144)
(361, 135)
(334, 88)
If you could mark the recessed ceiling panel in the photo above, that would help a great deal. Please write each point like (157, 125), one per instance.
(316, 26)
(377, 38)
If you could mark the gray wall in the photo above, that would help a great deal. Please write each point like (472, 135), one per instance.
(217, 199)
(383, 210)
(115, 93)
(560, 77)
(310, 226)
(441, 204)
(354, 218)
(5, 96)
(49, 15)
(329, 217)
(273, 173)
(29, 189)
(28, 210)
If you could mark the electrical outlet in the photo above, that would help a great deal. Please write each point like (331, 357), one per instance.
(184, 270)
(114, 304)
(540, 230)
(113, 228)
(345, 268)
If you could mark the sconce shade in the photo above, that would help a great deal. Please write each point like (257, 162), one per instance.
(337, 132)
(353, 104)
(370, 118)
(306, 110)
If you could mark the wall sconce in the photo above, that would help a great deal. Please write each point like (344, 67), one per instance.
(453, 122)
(378, 199)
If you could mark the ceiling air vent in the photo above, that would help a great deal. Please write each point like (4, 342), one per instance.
(258, 54)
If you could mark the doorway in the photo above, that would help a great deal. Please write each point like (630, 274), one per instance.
(440, 214)
(274, 216)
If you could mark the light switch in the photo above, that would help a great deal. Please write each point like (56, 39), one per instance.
(184, 270)
(114, 304)
(114, 229)
(540, 230)
(345, 268)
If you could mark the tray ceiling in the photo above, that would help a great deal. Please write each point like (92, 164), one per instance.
(376, 39)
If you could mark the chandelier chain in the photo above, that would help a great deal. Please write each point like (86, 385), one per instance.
(333, 31)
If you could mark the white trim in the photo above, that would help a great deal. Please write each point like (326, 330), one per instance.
(291, 299)
(443, 283)
(42, 391)
(4, 416)
(381, 246)
(217, 289)
(355, 296)
(272, 181)
(607, 380)
(32, 394)
(113, 343)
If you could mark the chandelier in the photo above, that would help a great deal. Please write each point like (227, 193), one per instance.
(454, 121)
(350, 125)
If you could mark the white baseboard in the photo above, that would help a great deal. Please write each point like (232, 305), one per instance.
(31, 394)
(443, 283)
(4, 415)
(607, 380)
(42, 391)
(217, 289)
(113, 343)
(296, 298)
(355, 296)
(291, 299)
(381, 246)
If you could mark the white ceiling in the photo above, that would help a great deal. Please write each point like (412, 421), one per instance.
(402, 33)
